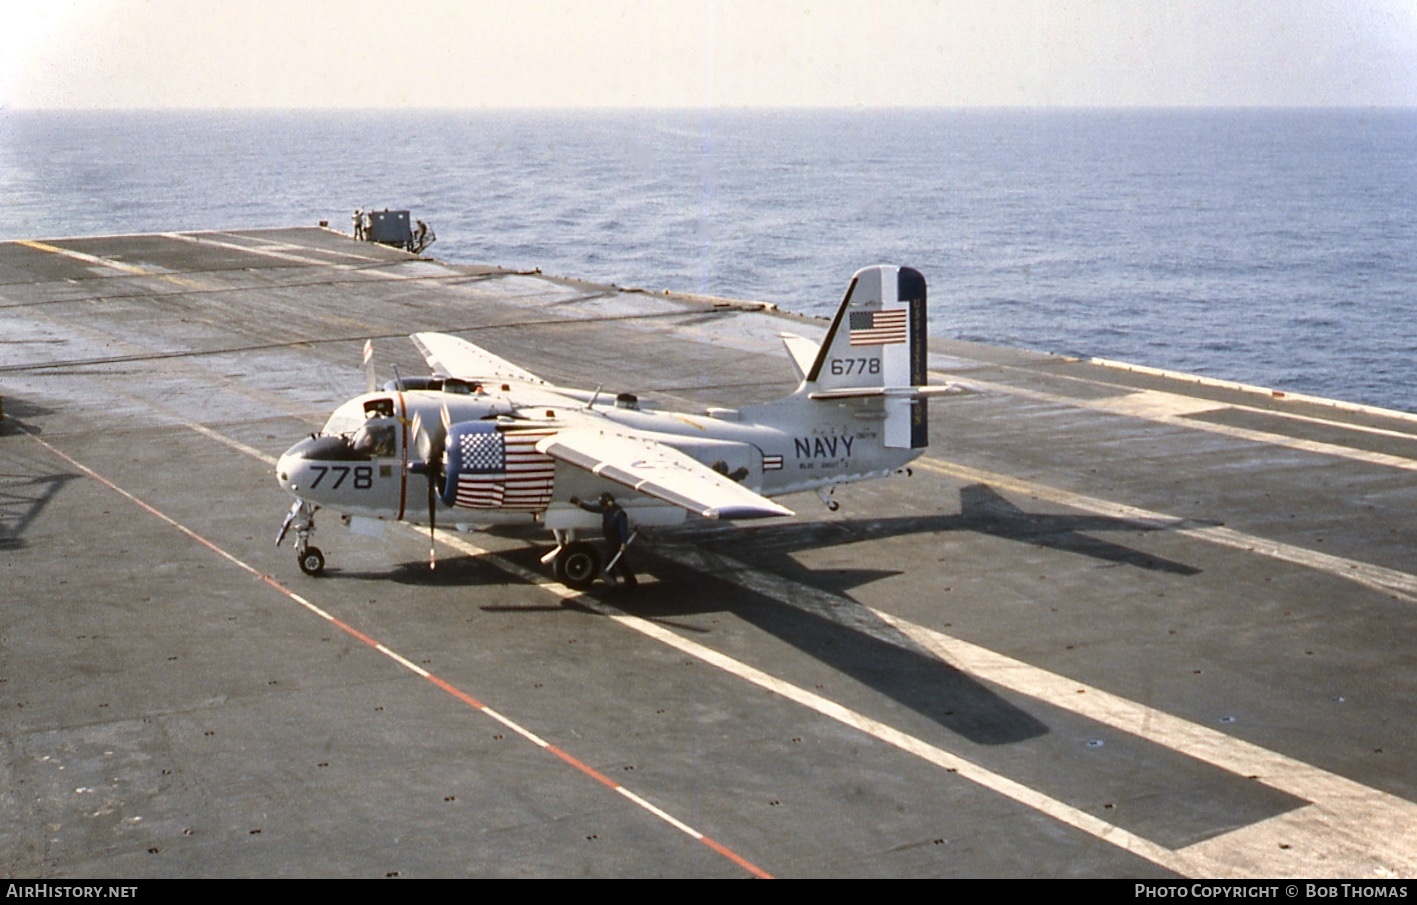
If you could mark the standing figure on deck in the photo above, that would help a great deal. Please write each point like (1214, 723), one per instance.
(615, 525)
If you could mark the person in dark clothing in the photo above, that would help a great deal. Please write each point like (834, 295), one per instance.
(615, 525)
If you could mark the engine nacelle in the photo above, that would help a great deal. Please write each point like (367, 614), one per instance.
(488, 465)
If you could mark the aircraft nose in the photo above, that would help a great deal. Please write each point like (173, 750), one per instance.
(290, 468)
(294, 467)
(286, 467)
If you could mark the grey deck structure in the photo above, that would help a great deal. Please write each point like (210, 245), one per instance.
(1117, 623)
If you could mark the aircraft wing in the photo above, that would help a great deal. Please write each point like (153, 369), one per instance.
(455, 357)
(660, 471)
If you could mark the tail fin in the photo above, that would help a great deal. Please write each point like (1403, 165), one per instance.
(876, 346)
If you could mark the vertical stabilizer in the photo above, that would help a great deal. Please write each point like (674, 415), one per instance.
(876, 346)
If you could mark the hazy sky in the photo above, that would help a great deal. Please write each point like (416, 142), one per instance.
(696, 53)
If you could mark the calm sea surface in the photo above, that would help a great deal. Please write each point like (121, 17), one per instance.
(1270, 247)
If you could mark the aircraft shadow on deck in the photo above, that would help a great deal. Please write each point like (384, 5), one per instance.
(850, 640)
(24, 490)
(22, 498)
(982, 510)
(828, 626)
(843, 635)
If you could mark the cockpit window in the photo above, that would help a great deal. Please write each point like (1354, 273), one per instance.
(340, 423)
(374, 439)
(461, 387)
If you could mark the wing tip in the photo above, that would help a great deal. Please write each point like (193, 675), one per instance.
(744, 512)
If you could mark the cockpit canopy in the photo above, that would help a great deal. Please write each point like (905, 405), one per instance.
(360, 430)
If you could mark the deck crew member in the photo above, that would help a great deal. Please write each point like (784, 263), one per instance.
(615, 525)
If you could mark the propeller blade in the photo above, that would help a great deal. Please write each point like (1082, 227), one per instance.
(432, 470)
(370, 381)
(432, 523)
(421, 441)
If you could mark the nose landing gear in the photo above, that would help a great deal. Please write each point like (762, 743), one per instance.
(302, 516)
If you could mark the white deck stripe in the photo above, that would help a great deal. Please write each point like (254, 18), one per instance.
(1381, 845)
(1193, 863)
(1153, 405)
(289, 246)
(660, 813)
(1161, 405)
(1332, 846)
(1351, 830)
(406, 663)
(87, 258)
(1399, 585)
(516, 727)
(402, 661)
(295, 259)
(1258, 391)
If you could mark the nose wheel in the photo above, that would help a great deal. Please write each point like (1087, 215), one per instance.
(312, 561)
(302, 517)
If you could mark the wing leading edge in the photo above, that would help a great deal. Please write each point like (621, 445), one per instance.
(660, 471)
(455, 357)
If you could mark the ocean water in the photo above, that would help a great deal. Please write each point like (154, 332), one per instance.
(1275, 247)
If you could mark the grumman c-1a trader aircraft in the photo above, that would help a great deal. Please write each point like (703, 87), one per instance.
(485, 442)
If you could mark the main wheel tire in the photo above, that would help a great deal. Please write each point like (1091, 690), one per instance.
(577, 565)
(312, 561)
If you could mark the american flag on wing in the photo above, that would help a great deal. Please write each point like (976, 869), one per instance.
(879, 328)
(504, 471)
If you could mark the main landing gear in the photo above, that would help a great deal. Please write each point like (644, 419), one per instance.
(302, 516)
(576, 564)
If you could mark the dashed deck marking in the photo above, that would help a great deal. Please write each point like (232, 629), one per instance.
(407, 664)
(1342, 844)
(120, 266)
(1349, 829)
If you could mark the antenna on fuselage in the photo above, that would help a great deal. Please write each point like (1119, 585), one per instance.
(594, 396)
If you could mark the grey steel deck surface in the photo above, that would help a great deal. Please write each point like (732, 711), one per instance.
(1117, 623)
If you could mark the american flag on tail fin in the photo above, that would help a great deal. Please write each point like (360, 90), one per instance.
(879, 328)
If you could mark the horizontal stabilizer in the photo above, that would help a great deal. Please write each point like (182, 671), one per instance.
(804, 353)
(940, 389)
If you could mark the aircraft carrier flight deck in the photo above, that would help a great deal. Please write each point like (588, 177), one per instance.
(1117, 622)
